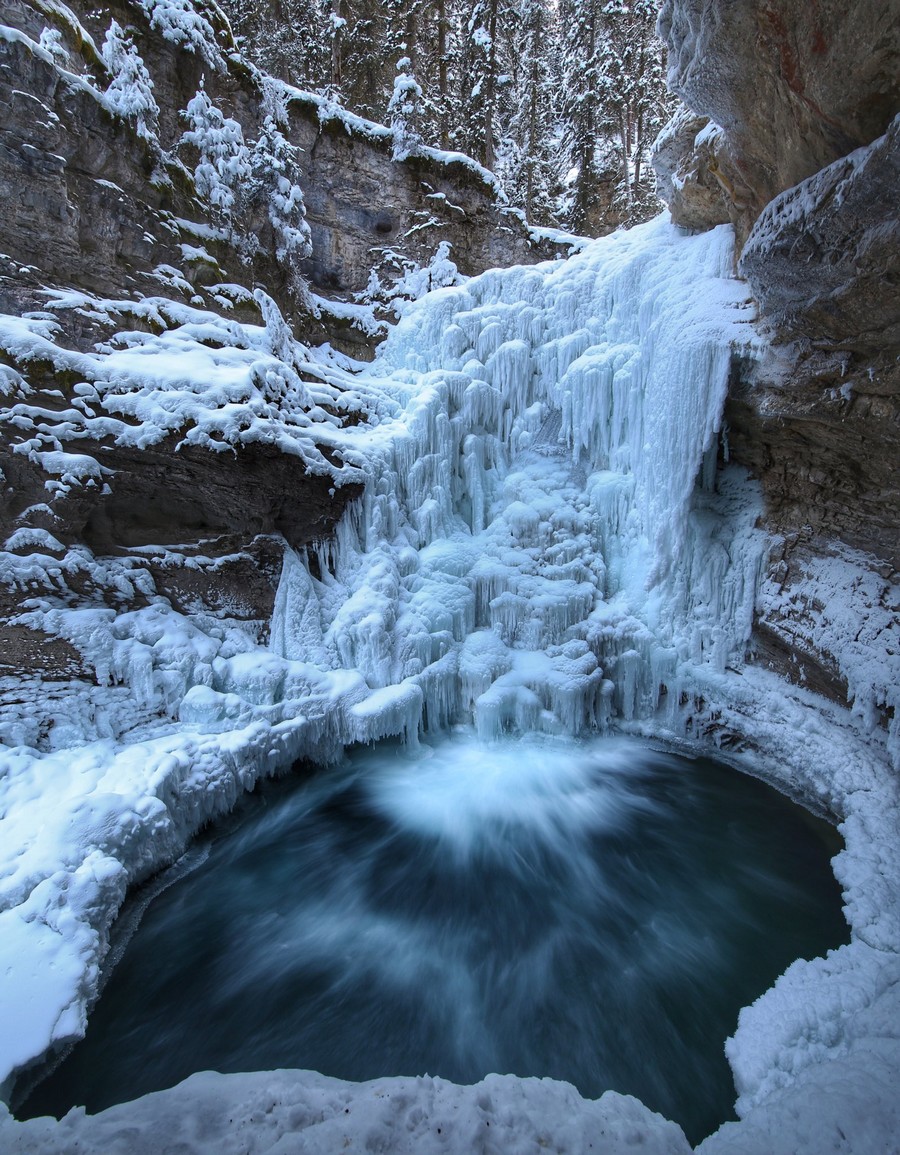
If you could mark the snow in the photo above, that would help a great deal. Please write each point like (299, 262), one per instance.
(130, 92)
(32, 540)
(330, 111)
(711, 134)
(361, 316)
(821, 609)
(283, 1111)
(215, 382)
(180, 22)
(543, 544)
(571, 241)
(412, 280)
(837, 1018)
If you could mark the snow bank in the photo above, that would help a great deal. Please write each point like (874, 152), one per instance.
(834, 1019)
(838, 606)
(203, 376)
(283, 1111)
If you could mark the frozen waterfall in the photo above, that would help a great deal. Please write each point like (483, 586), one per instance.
(544, 542)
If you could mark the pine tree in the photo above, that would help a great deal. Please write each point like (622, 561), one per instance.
(634, 101)
(287, 38)
(405, 110)
(615, 102)
(130, 92)
(533, 89)
(528, 152)
(442, 101)
(223, 160)
(368, 62)
(582, 46)
(479, 62)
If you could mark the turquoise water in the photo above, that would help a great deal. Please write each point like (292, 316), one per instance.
(591, 912)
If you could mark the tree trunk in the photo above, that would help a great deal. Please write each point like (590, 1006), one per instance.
(490, 88)
(443, 29)
(337, 37)
(411, 35)
(626, 163)
(533, 96)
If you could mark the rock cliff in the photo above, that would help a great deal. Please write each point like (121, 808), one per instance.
(791, 132)
(144, 160)
(791, 86)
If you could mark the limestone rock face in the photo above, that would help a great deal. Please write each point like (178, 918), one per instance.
(824, 257)
(360, 204)
(793, 84)
(686, 159)
(92, 203)
(819, 420)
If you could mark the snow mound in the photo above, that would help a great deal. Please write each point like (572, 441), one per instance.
(286, 1111)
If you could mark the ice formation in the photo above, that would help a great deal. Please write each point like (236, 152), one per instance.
(544, 543)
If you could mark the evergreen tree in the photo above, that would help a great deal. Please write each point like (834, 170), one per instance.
(405, 110)
(222, 161)
(480, 68)
(528, 154)
(363, 56)
(533, 89)
(287, 38)
(633, 98)
(581, 69)
(130, 91)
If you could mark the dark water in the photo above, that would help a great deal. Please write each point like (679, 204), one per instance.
(596, 913)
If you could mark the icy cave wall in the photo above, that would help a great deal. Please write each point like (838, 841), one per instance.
(790, 131)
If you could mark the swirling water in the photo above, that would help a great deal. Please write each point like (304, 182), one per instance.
(596, 912)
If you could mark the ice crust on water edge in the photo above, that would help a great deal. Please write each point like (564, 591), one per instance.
(543, 544)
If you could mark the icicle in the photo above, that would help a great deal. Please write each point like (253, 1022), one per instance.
(296, 628)
(531, 491)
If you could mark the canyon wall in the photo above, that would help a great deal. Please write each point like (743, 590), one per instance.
(790, 131)
(115, 193)
(173, 220)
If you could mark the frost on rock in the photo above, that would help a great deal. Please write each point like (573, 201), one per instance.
(839, 607)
